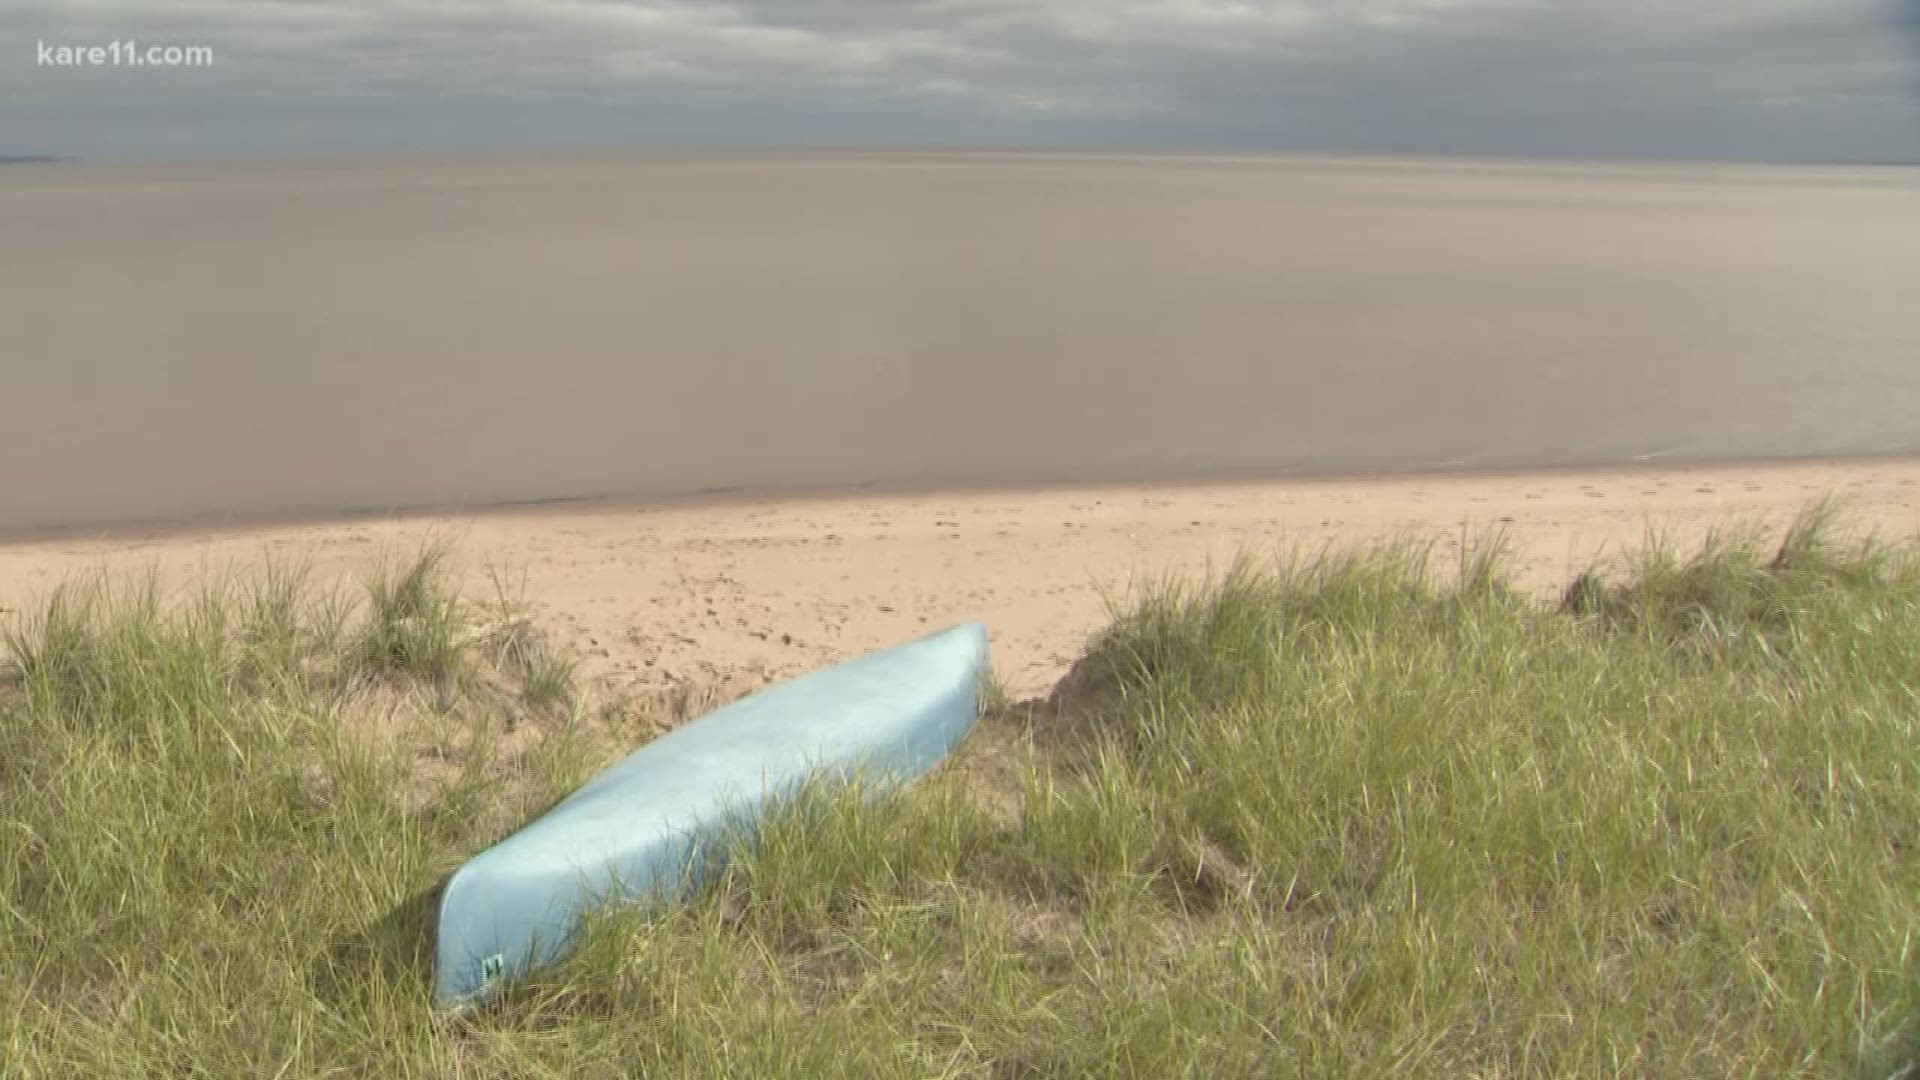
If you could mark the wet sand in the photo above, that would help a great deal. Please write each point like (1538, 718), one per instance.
(728, 593)
(236, 340)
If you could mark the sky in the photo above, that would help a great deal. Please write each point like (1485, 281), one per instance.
(1743, 80)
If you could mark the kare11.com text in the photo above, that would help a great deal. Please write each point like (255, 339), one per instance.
(123, 53)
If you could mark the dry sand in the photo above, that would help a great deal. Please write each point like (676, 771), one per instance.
(738, 592)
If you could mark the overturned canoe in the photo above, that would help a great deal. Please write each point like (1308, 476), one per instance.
(636, 828)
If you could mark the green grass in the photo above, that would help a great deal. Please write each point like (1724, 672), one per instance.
(412, 619)
(1351, 815)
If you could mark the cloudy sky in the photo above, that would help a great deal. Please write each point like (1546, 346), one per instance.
(1793, 80)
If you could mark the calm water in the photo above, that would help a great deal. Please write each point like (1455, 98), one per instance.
(248, 339)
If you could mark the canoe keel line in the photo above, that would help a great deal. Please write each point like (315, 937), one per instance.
(651, 823)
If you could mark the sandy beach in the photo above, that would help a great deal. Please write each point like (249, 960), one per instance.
(728, 594)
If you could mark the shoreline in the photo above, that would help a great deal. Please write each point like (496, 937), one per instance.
(734, 592)
(204, 526)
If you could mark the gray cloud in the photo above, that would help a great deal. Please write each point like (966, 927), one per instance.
(1746, 79)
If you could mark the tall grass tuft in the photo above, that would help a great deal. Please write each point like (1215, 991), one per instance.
(413, 622)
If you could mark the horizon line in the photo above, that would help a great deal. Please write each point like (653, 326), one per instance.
(1116, 149)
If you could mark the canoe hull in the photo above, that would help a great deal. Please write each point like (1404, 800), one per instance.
(637, 828)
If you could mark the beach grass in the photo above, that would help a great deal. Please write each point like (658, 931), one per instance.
(1351, 813)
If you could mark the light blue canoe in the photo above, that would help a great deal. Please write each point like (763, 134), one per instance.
(635, 829)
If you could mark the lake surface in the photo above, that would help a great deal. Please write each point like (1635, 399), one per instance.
(258, 339)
